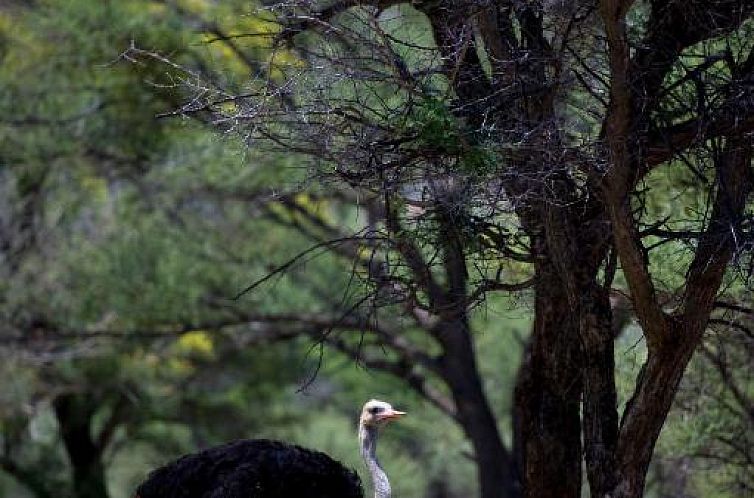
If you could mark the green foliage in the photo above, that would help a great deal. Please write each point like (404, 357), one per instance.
(151, 225)
(143, 237)
(434, 125)
(437, 131)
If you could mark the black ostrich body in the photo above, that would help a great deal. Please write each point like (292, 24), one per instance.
(253, 469)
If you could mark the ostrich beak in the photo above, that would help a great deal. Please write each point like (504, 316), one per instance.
(391, 415)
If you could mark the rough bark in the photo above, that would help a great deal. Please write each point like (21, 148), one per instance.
(547, 394)
(570, 361)
(599, 409)
(549, 385)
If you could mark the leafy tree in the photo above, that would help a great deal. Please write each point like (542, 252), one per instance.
(388, 174)
(507, 138)
(125, 236)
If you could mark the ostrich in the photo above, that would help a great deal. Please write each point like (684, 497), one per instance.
(260, 468)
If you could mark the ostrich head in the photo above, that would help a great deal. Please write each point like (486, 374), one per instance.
(374, 416)
(378, 413)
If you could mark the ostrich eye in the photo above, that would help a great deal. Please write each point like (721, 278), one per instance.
(375, 410)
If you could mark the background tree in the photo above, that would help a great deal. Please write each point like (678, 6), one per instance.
(134, 232)
(385, 170)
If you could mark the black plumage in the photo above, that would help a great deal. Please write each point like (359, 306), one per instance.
(256, 468)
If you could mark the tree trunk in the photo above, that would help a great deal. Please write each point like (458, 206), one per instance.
(570, 355)
(494, 463)
(646, 412)
(547, 393)
(599, 408)
(458, 365)
(74, 413)
(672, 339)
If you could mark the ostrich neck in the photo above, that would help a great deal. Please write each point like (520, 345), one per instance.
(368, 441)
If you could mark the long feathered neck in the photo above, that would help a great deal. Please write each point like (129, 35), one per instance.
(368, 442)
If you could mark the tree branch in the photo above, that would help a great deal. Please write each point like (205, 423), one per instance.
(719, 242)
(403, 369)
(736, 117)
